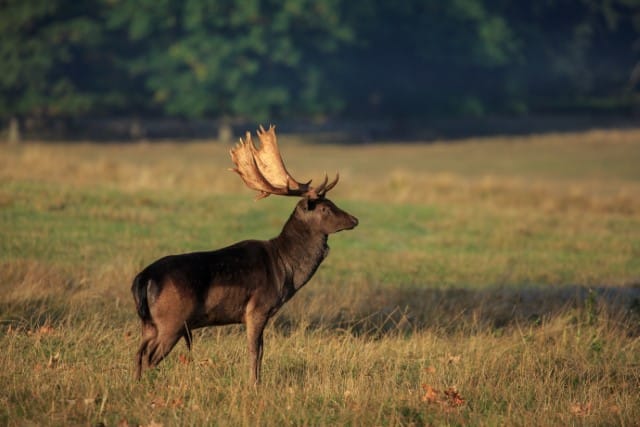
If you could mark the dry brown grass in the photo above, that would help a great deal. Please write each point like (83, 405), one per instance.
(503, 272)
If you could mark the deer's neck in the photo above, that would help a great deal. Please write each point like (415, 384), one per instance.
(301, 250)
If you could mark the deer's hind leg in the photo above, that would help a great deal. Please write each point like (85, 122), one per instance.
(162, 345)
(155, 346)
(149, 334)
(170, 312)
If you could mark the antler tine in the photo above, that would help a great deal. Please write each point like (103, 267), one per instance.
(323, 188)
(242, 157)
(319, 190)
(332, 183)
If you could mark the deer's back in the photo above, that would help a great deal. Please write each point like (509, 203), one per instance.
(244, 264)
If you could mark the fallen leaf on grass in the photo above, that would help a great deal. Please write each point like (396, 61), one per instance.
(184, 360)
(45, 330)
(176, 403)
(430, 369)
(448, 399)
(453, 397)
(430, 394)
(205, 362)
(453, 359)
(581, 409)
(159, 402)
(42, 331)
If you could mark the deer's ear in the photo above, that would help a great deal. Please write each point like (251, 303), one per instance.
(309, 204)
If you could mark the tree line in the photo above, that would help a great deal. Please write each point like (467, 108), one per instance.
(266, 59)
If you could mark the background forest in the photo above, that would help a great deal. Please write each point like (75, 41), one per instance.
(258, 60)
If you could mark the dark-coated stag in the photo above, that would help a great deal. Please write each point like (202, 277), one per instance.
(246, 282)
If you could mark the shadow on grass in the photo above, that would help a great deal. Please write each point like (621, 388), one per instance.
(383, 312)
(379, 311)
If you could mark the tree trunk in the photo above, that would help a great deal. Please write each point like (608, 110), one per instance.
(13, 133)
(137, 132)
(225, 131)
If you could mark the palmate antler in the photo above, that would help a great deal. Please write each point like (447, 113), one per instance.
(263, 170)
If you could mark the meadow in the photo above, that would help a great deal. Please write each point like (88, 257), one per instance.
(491, 281)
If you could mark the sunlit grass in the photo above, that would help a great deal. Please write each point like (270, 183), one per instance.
(470, 270)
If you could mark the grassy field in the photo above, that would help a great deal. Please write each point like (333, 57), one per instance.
(490, 282)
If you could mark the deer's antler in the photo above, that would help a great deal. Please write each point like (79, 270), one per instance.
(263, 170)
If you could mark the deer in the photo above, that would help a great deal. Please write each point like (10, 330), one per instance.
(246, 282)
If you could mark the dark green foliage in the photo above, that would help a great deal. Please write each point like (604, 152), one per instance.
(473, 57)
(240, 58)
(427, 57)
(264, 59)
(48, 57)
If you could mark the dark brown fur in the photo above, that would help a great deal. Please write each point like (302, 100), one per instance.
(244, 283)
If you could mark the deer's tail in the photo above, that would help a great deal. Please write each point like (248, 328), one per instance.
(140, 289)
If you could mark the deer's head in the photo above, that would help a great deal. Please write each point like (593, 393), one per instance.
(262, 169)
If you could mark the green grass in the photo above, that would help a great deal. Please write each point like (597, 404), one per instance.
(470, 269)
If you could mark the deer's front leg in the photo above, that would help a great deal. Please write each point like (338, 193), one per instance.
(256, 323)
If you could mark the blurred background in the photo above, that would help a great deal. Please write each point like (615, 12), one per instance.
(371, 69)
